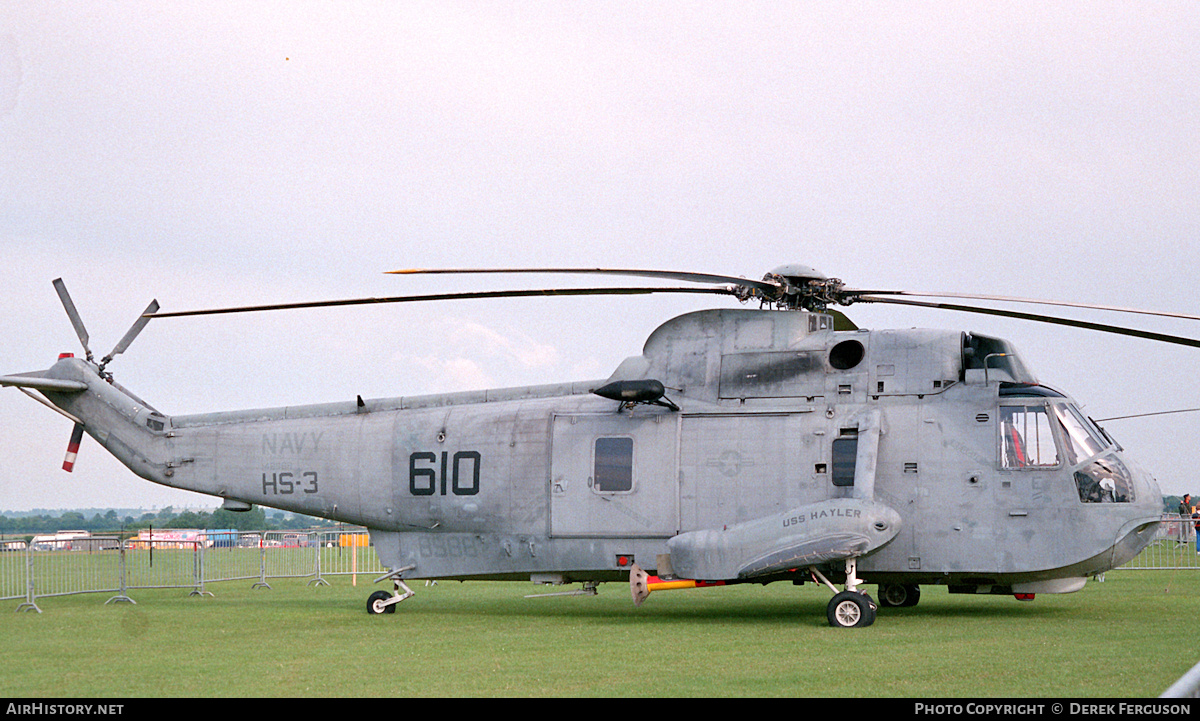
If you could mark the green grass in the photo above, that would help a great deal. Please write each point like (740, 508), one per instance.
(1119, 638)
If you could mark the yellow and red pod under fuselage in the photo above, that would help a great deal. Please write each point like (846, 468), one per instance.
(642, 584)
(654, 583)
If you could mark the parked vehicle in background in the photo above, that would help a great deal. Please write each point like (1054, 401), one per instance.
(250, 540)
(223, 538)
(294, 540)
(60, 541)
(180, 538)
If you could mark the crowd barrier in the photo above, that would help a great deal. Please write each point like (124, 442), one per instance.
(116, 566)
(1173, 548)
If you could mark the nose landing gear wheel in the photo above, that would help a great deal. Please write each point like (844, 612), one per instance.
(850, 609)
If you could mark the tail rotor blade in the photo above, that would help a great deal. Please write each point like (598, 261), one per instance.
(73, 314)
(73, 448)
(137, 327)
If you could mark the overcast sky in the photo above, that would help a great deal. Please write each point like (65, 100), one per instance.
(214, 153)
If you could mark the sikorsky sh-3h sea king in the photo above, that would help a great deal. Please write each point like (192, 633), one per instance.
(744, 445)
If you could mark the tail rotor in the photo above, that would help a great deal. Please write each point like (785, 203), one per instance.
(73, 448)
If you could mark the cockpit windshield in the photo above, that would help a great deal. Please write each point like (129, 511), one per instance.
(1101, 478)
(1030, 439)
(1084, 439)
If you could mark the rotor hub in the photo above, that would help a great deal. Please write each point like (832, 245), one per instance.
(800, 287)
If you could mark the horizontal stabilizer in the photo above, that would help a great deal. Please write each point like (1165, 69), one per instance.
(36, 381)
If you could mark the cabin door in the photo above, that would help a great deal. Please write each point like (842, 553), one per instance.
(614, 474)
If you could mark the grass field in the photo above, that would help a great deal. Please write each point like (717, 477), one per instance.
(1119, 638)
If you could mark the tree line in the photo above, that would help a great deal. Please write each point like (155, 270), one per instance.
(112, 522)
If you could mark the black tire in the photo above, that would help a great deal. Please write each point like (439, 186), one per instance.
(895, 595)
(892, 595)
(850, 609)
(379, 596)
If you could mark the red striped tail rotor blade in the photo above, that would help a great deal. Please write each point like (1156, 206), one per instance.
(73, 448)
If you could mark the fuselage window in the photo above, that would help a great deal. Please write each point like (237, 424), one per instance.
(1027, 438)
(845, 453)
(613, 470)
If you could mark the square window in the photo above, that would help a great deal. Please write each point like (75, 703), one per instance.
(613, 472)
(1027, 438)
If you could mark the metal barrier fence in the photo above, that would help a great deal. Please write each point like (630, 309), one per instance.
(101, 564)
(115, 566)
(1173, 548)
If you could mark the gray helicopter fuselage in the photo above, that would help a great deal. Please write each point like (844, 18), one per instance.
(995, 480)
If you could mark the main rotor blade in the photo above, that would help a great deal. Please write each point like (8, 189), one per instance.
(1137, 333)
(858, 294)
(442, 296)
(132, 333)
(73, 314)
(664, 274)
(1146, 415)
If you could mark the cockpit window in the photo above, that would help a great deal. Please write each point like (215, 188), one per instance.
(1084, 439)
(1027, 441)
(1101, 479)
(1027, 438)
(1105, 480)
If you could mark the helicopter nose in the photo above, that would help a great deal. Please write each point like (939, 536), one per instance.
(1141, 516)
(1147, 488)
(1149, 497)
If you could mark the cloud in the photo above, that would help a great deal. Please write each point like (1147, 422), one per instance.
(473, 356)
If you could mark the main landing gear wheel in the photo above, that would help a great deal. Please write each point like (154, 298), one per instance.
(377, 603)
(851, 609)
(896, 595)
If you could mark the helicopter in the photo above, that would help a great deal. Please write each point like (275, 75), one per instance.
(742, 445)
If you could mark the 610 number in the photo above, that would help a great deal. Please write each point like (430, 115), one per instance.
(461, 470)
